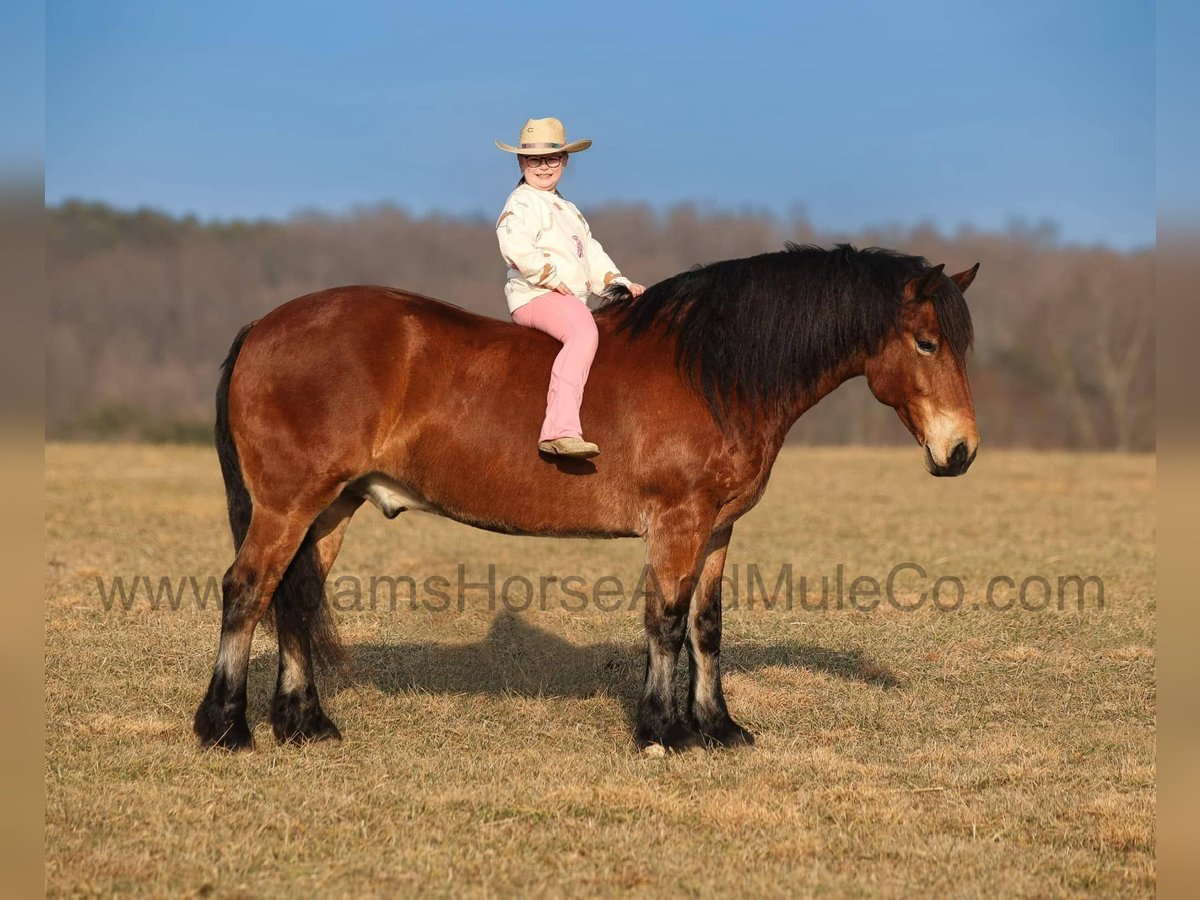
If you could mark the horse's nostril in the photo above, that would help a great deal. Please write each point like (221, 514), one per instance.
(958, 455)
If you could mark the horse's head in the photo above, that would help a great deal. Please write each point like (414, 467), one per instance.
(920, 369)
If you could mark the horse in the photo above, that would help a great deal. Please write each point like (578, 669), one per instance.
(369, 394)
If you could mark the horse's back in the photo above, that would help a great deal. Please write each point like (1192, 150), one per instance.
(355, 311)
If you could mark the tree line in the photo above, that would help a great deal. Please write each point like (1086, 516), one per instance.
(143, 306)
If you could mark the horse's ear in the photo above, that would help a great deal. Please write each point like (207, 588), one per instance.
(964, 279)
(921, 286)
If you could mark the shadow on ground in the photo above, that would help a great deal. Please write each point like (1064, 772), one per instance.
(517, 658)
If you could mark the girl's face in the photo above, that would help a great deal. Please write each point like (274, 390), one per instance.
(539, 173)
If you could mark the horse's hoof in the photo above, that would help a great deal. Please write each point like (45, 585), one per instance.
(321, 729)
(294, 724)
(726, 734)
(675, 738)
(215, 730)
(679, 738)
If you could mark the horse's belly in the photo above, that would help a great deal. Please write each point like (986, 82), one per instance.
(528, 512)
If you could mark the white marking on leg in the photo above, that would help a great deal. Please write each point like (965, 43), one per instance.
(233, 656)
(662, 673)
(708, 680)
(295, 678)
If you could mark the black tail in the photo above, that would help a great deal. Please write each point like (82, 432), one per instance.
(237, 498)
(299, 598)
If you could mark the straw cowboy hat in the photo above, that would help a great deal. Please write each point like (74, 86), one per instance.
(541, 136)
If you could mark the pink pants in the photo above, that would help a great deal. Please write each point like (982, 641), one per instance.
(567, 319)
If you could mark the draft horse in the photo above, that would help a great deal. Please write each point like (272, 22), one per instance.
(363, 393)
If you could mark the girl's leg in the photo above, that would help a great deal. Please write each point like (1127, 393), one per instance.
(568, 320)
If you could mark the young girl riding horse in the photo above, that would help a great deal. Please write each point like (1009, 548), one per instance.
(553, 263)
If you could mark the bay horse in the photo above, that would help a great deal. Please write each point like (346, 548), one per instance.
(371, 394)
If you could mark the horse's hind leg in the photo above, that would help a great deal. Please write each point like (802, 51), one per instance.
(262, 560)
(296, 714)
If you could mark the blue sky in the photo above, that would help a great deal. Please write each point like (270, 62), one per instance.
(22, 108)
(858, 113)
(1178, 125)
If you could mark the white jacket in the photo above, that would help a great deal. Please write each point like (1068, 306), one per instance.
(546, 240)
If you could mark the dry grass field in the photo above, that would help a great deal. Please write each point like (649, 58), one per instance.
(901, 751)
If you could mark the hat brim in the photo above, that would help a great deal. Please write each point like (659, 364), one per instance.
(573, 147)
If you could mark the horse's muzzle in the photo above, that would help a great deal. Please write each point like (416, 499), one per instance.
(957, 462)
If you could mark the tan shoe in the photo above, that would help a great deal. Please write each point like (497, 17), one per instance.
(569, 446)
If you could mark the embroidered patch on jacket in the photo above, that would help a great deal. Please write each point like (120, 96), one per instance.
(578, 245)
(609, 276)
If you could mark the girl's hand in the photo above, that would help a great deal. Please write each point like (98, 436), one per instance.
(563, 289)
(637, 289)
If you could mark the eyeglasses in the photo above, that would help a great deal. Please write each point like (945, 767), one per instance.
(553, 162)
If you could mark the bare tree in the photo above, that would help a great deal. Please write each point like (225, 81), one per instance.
(143, 306)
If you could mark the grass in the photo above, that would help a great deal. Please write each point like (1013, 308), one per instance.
(488, 751)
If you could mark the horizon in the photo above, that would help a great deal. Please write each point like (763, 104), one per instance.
(1045, 232)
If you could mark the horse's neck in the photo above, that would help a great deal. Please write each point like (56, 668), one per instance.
(767, 434)
(764, 438)
(807, 399)
(828, 383)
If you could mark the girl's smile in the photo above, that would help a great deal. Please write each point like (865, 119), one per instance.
(540, 174)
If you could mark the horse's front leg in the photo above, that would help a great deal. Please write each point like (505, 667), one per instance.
(706, 709)
(676, 541)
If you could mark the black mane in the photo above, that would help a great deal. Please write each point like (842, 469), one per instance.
(756, 330)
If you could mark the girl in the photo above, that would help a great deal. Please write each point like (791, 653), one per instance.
(553, 263)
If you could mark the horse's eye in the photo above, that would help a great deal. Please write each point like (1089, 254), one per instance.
(927, 347)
